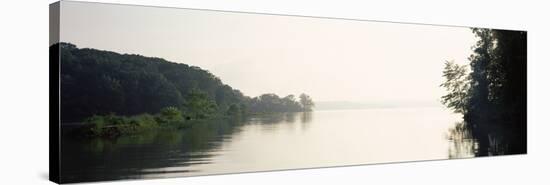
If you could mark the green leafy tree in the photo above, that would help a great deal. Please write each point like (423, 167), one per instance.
(171, 114)
(199, 105)
(95, 82)
(234, 110)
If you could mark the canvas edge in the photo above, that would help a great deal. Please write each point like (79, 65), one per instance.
(288, 15)
(54, 114)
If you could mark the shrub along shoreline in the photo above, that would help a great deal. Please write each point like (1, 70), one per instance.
(112, 126)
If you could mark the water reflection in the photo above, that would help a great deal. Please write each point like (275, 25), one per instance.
(290, 117)
(487, 139)
(306, 117)
(281, 141)
(134, 156)
(157, 153)
(462, 144)
(305, 120)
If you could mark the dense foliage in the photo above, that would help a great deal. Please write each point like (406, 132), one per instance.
(493, 96)
(95, 82)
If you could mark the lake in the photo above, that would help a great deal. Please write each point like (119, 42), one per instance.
(274, 142)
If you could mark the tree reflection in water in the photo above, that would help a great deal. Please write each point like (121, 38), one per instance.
(488, 139)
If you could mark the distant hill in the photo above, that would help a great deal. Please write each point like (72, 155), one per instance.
(97, 82)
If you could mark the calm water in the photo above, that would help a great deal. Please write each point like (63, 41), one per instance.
(283, 141)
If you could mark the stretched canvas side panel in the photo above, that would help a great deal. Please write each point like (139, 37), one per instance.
(54, 92)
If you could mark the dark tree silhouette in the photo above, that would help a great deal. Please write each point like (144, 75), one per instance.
(458, 86)
(493, 96)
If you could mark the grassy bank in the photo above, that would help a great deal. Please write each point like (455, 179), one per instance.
(112, 125)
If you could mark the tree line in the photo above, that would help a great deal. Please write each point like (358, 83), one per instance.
(491, 92)
(96, 82)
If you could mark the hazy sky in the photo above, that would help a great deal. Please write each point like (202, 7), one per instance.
(329, 59)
